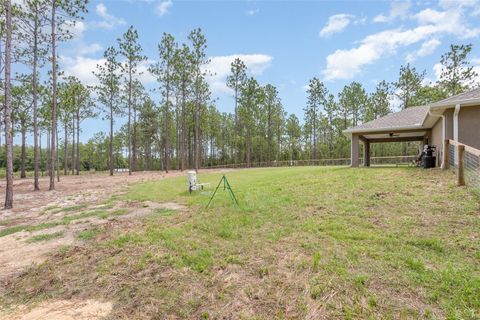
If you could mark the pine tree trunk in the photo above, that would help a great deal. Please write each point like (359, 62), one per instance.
(65, 152)
(167, 129)
(77, 156)
(110, 147)
(54, 99)
(8, 109)
(184, 128)
(129, 121)
(36, 184)
(40, 151)
(74, 163)
(248, 146)
(197, 137)
(49, 171)
(134, 140)
(58, 155)
(177, 133)
(23, 175)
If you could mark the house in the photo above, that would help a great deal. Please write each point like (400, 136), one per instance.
(456, 118)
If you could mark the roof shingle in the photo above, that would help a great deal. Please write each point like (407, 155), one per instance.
(470, 96)
(410, 117)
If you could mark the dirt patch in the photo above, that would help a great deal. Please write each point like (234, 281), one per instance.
(16, 253)
(62, 310)
(73, 195)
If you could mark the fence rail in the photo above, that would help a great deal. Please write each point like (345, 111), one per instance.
(317, 162)
(465, 162)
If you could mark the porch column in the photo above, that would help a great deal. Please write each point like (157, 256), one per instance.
(366, 153)
(354, 151)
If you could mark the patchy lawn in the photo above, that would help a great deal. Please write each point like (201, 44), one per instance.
(306, 243)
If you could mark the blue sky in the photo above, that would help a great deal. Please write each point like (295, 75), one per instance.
(284, 43)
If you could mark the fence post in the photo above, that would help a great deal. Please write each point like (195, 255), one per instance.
(446, 155)
(461, 164)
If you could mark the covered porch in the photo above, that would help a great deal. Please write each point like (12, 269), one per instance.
(367, 139)
(411, 124)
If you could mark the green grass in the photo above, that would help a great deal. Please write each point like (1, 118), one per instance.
(88, 234)
(309, 242)
(46, 236)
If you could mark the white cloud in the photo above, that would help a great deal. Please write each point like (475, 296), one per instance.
(346, 64)
(164, 7)
(219, 67)
(447, 4)
(109, 21)
(83, 68)
(86, 49)
(398, 9)
(75, 28)
(427, 48)
(253, 12)
(335, 24)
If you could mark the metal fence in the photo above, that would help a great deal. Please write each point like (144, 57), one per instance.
(472, 170)
(451, 157)
(465, 161)
(317, 162)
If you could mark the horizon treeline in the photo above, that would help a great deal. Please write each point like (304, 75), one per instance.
(183, 129)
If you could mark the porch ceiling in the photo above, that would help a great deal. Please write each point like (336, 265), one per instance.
(395, 135)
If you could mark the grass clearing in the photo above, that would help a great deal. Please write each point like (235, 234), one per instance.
(46, 237)
(88, 234)
(307, 242)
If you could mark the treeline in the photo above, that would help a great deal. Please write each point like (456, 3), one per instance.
(183, 129)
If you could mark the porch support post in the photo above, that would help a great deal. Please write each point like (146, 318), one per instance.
(445, 154)
(366, 153)
(354, 151)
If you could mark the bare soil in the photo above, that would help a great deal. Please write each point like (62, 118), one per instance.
(86, 192)
(64, 310)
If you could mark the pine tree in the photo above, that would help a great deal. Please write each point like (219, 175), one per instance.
(108, 92)
(163, 70)
(8, 107)
(408, 84)
(317, 93)
(31, 26)
(131, 50)
(63, 14)
(235, 81)
(457, 73)
(200, 89)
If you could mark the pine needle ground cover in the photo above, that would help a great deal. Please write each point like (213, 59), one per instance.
(306, 243)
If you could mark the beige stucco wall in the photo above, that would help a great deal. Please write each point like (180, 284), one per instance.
(469, 126)
(468, 131)
(437, 136)
(437, 139)
(448, 123)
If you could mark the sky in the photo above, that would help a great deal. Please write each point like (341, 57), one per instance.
(284, 43)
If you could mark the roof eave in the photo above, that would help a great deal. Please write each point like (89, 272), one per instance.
(463, 103)
(383, 129)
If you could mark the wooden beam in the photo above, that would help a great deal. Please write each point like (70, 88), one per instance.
(363, 139)
(394, 131)
(396, 139)
(472, 150)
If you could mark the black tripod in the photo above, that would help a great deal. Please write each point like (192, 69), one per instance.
(226, 186)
